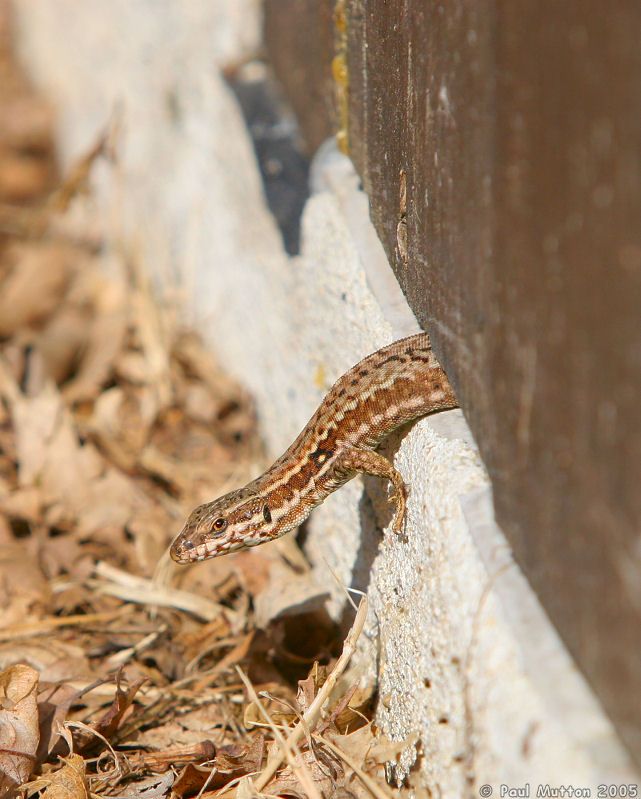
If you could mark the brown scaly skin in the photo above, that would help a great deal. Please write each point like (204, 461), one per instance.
(395, 385)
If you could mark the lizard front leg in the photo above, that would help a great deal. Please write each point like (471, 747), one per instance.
(366, 461)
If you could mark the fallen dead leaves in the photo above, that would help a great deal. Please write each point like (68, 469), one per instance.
(19, 732)
(120, 674)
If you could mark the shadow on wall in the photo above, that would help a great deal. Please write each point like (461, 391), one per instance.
(283, 166)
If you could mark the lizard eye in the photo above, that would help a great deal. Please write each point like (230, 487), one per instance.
(220, 525)
(267, 514)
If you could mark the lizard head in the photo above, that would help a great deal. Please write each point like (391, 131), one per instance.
(235, 521)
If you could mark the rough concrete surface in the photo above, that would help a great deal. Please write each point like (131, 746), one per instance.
(470, 671)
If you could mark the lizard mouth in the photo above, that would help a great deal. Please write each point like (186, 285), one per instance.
(185, 552)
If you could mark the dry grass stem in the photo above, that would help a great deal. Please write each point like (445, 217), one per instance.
(372, 786)
(311, 716)
(143, 591)
(288, 748)
(28, 630)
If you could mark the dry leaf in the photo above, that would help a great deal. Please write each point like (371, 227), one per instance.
(149, 526)
(246, 789)
(54, 659)
(62, 340)
(277, 703)
(153, 788)
(106, 337)
(119, 427)
(69, 782)
(54, 702)
(65, 477)
(22, 177)
(25, 504)
(25, 594)
(110, 721)
(230, 763)
(191, 779)
(26, 122)
(19, 731)
(364, 747)
(199, 403)
(109, 504)
(326, 772)
(162, 466)
(161, 761)
(35, 420)
(35, 285)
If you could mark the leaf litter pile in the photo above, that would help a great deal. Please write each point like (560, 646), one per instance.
(120, 673)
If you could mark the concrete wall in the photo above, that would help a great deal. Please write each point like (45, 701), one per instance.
(463, 652)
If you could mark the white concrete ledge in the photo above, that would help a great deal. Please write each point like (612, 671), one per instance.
(468, 665)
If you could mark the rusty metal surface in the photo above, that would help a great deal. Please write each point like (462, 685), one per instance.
(500, 145)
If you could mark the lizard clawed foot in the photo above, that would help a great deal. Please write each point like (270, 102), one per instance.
(399, 497)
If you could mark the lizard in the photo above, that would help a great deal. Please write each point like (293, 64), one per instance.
(395, 385)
